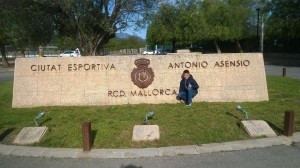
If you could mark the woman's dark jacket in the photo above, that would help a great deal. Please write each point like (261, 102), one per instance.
(185, 83)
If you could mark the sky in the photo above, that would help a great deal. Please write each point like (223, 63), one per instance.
(141, 33)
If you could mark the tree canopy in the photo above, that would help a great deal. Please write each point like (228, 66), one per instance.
(163, 26)
(24, 23)
(94, 23)
(191, 20)
(132, 42)
(90, 24)
(86, 24)
(284, 20)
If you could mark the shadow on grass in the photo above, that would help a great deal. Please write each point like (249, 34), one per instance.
(238, 123)
(6, 133)
(274, 127)
(94, 134)
(232, 115)
(131, 166)
(46, 120)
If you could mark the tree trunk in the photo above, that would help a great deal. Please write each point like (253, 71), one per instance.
(94, 45)
(174, 46)
(4, 58)
(238, 45)
(23, 53)
(217, 46)
(41, 51)
(100, 52)
(103, 40)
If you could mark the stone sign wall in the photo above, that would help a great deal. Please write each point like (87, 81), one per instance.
(112, 80)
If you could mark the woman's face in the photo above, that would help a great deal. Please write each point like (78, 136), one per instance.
(186, 75)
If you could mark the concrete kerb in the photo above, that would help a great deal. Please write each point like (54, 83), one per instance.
(147, 152)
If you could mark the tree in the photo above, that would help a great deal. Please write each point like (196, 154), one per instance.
(239, 12)
(64, 42)
(132, 42)
(92, 23)
(189, 21)
(226, 20)
(174, 23)
(24, 23)
(189, 24)
(216, 14)
(4, 37)
(37, 20)
(163, 26)
(284, 20)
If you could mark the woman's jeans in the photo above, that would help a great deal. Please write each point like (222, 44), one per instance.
(187, 95)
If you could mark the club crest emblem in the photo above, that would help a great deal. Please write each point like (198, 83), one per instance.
(142, 76)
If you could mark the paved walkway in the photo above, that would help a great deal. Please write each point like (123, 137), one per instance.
(270, 157)
(275, 157)
(147, 152)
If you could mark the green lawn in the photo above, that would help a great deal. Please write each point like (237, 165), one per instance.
(179, 125)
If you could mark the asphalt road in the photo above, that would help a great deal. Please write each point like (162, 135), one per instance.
(5, 76)
(275, 157)
(275, 70)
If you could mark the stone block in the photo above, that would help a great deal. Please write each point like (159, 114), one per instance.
(183, 51)
(92, 80)
(30, 135)
(145, 133)
(258, 128)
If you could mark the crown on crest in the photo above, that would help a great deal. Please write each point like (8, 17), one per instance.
(142, 62)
